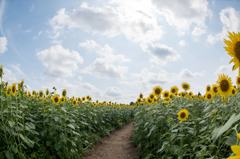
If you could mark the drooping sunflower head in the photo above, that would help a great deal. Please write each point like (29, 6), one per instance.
(208, 96)
(183, 114)
(238, 81)
(14, 89)
(166, 94)
(34, 93)
(64, 93)
(141, 95)
(174, 90)
(224, 85)
(234, 91)
(185, 86)
(208, 88)
(55, 99)
(233, 48)
(157, 90)
(8, 91)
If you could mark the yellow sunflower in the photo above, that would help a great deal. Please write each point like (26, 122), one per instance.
(74, 102)
(149, 100)
(157, 91)
(139, 100)
(236, 150)
(238, 81)
(234, 91)
(185, 86)
(41, 94)
(64, 93)
(29, 94)
(55, 99)
(151, 95)
(1, 71)
(208, 96)
(13, 89)
(215, 89)
(8, 91)
(208, 88)
(62, 99)
(183, 114)
(233, 48)
(47, 91)
(174, 90)
(224, 85)
(83, 99)
(190, 93)
(141, 95)
(166, 94)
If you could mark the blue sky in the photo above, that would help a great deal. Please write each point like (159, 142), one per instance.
(113, 50)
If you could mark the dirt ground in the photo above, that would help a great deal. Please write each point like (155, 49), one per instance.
(118, 145)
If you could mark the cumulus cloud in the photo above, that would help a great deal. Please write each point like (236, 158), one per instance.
(113, 92)
(161, 53)
(108, 20)
(3, 44)
(184, 14)
(108, 64)
(186, 73)
(182, 43)
(230, 19)
(59, 62)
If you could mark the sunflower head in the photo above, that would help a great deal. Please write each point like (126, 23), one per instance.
(183, 115)
(64, 93)
(83, 99)
(185, 86)
(208, 88)
(55, 99)
(141, 95)
(224, 85)
(152, 96)
(1, 71)
(149, 100)
(41, 94)
(157, 90)
(209, 96)
(62, 99)
(174, 90)
(234, 91)
(8, 91)
(215, 88)
(74, 103)
(238, 80)
(166, 94)
(233, 48)
(14, 89)
(139, 100)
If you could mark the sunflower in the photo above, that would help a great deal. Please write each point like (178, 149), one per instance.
(13, 89)
(47, 91)
(41, 94)
(139, 100)
(185, 86)
(62, 99)
(183, 94)
(74, 102)
(215, 89)
(208, 88)
(234, 91)
(29, 94)
(238, 80)
(64, 93)
(166, 94)
(157, 91)
(55, 99)
(149, 100)
(151, 95)
(79, 99)
(34, 93)
(208, 96)
(1, 71)
(83, 99)
(233, 48)
(224, 85)
(190, 93)
(8, 91)
(87, 97)
(141, 95)
(174, 90)
(183, 114)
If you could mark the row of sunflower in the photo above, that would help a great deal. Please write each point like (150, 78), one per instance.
(173, 124)
(45, 125)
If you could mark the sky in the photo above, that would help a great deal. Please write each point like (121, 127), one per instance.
(113, 50)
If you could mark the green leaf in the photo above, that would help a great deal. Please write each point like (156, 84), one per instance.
(29, 142)
(9, 155)
(151, 130)
(11, 123)
(217, 132)
(71, 126)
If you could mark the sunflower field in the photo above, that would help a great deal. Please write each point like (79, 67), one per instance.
(43, 125)
(181, 125)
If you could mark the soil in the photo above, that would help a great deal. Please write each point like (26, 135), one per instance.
(118, 145)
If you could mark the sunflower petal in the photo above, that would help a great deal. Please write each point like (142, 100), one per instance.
(233, 60)
(235, 67)
(238, 135)
(236, 150)
(234, 157)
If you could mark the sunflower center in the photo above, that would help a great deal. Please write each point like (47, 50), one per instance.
(237, 50)
(9, 91)
(209, 96)
(238, 80)
(215, 89)
(233, 91)
(151, 96)
(166, 95)
(183, 115)
(224, 85)
(208, 88)
(157, 91)
(173, 90)
(149, 100)
(13, 89)
(185, 86)
(56, 99)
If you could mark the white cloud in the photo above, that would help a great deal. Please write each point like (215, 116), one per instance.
(113, 92)
(59, 62)
(186, 73)
(108, 64)
(32, 8)
(230, 19)
(2, 7)
(182, 43)
(134, 24)
(160, 53)
(184, 14)
(9, 76)
(198, 31)
(3, 44)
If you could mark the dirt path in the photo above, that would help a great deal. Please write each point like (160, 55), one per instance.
(117, 145)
